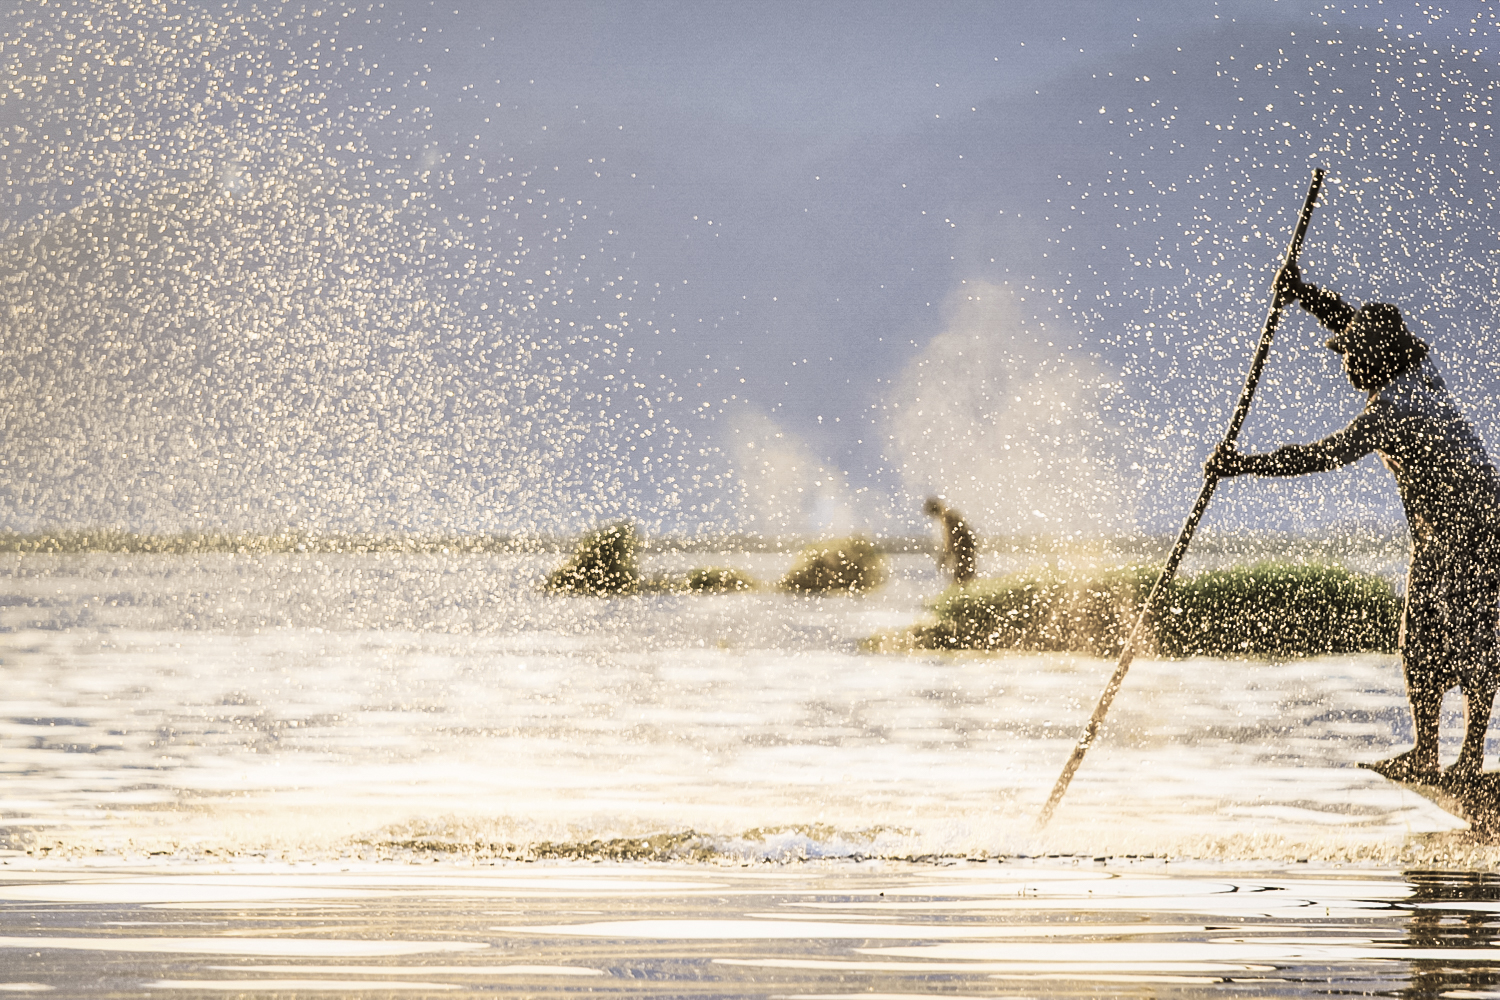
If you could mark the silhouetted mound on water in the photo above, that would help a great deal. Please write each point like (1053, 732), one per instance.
(703, 580)
(718, 579)
(603, 564)
(1268, 609)
(1036, 613)
(843, 565)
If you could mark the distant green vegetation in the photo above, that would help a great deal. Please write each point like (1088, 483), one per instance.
(842, 565)
(703, 580)
(603, 564)
(718, 579)
(1267, 609)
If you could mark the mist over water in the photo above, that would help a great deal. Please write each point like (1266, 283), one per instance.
(1012, 430)
(230, 305)
(785, 490)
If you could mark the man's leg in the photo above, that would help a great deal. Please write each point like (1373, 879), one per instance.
(1479, 701)
(1481, 677)
(1420, 763)
(1479, 649)
(1421, 663)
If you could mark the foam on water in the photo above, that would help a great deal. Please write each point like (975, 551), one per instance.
(391, 705)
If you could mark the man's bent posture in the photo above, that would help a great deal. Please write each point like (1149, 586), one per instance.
(959, 549)
(1452, 500)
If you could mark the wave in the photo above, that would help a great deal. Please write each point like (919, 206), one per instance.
(452, 839)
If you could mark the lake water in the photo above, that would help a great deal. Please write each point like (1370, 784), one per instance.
(701, 795)
(962, 929)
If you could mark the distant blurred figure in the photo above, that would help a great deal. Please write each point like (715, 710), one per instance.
(958, 555)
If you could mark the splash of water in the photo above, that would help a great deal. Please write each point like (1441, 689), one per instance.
(227, 309)
(1208, 159)
(1010, 429)
(784, 488)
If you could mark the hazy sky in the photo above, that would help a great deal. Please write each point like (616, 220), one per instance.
(809, 210)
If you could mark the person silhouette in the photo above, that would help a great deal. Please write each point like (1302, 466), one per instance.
(959, 548)
(1451, 496)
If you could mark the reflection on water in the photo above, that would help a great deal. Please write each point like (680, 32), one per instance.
(376, 705)
(1453, 912)
(1056, 928)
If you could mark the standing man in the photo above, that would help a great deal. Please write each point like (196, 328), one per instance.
(1451, 495)
(959, 549)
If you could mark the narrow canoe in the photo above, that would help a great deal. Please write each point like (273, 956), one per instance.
(1475, 799)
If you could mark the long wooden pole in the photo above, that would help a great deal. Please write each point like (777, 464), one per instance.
(1144, 620)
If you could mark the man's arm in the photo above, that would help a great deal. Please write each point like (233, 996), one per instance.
(1354, 442)
(1331, 311)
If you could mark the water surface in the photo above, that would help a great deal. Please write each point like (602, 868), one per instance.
(321, 706)
(1012, 928)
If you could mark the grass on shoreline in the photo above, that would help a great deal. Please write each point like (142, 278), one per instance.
(604, 563)
(1271, 609)
(837, 566)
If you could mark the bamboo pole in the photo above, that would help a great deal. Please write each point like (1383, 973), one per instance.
(1236, 421)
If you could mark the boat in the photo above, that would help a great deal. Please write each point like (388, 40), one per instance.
(1473, 798)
